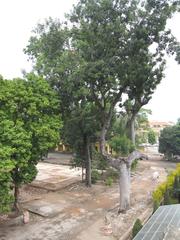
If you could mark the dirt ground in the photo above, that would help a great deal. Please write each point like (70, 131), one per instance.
(80, 213)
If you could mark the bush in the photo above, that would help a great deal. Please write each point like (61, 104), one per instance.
(137, 227)
(95, 176)
(109, 181)
(98, 161)
(121, 144)
(166, 191)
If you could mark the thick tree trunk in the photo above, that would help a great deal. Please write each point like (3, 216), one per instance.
(124, 186)
(133, 134)
(106, 124)
(131, 129)
(16, 198)
(123, 165)
(103, 139)
(88, 164)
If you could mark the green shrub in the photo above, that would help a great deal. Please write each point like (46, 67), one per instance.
(95, 176)
(99, 162)
(121, 144)
(137, 227)
(167, 191)
(109, 181)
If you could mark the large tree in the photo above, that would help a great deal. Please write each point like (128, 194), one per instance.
(56, 59)
(29, 127)
(110, 42)
(114, 39)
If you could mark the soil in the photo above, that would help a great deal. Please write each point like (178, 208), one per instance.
(88, 213)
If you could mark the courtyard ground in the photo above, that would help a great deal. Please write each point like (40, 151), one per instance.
(75, 212)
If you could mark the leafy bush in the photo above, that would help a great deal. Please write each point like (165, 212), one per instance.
(121, 144)
(151, 137)
(169, 143)
(109, 181)
(165, 191)
(99, 162)
(137, 227)
(95, 176)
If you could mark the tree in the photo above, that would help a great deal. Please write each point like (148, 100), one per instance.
(29, 127)
(6, 166)
(151, 137)
(169, 143)
(114, 39)
(142, 126)
(55, 58)
(80, 132)
(109, 44)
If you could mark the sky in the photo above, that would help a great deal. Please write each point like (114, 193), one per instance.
(19, 17)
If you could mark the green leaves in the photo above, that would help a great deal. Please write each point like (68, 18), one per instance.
(169, 141)
(121, 144)
(29, 126)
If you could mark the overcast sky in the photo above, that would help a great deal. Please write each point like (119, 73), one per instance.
(19, 17)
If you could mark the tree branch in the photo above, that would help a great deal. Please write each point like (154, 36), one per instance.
(116, 162)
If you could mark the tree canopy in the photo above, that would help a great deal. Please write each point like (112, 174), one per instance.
(29, 126)
(169, 141)
(108, 54)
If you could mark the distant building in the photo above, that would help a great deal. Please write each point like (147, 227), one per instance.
(157, 126)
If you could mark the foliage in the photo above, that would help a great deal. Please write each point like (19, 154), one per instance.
(109, 181)
(104, 54)
(95, 176)
(121, 144)
(166, 190)
(151, 137)
(137, 227)
(29, 127)
(169, 142)
(142, 126)
(98, 160)
(6, 167)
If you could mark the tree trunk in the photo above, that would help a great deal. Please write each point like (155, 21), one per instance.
(106, 124)
(133, 134)
(103, 139)
(16, 198)
(123, 165)
(124, 185)
(88, 164)
(131, 129)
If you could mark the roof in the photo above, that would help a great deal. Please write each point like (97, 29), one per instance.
(161, 123)
(163, 224)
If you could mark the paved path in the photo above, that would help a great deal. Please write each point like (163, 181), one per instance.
(54, 177)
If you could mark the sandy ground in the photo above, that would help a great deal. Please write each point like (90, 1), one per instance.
(78, 213)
